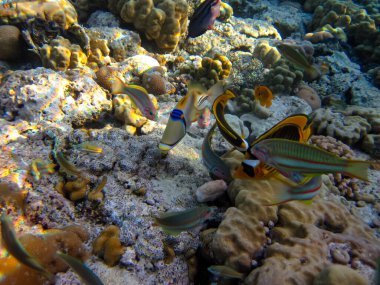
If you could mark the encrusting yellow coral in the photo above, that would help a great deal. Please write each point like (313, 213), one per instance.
(164, 21)
(107, 245)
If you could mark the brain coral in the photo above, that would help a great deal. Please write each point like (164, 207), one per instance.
(164, 21)
(295, 241)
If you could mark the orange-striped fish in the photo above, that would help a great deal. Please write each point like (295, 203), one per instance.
(296, 160)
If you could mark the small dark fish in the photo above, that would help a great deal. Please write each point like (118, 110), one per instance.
(15, 248)
(204, 18)
(66, 165)
(213, 162)
(223, 271)
(176, 222)
(88, 277)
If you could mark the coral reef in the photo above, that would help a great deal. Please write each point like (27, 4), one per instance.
(282, 79)
(226, 12)
(154, 82)
(10, 42)
(288, 235)
(74, 190)
(309, 95)
(107, 245)
(163, 21)
(211, 191)
(339, 274)
(318, 37)
(267, 54)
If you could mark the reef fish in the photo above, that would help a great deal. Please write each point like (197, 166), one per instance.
(213, 162)
(138, 95)
(38, 167)
(228, 133)
(306, 191)
(296, 160)
(188, 110)
(204, 18)
(15, 248)
(66, 165)
(224, 271)
(89, 147)
(263, 95)
(296, 127)
(299, 60)
(174, 223)
(88, 277)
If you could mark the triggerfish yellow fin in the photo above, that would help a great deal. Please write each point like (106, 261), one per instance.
(304, 192)
(263, 95)
(86, 275)
(138, 95)
(228, 133)
(178, 221)
(215, 165)
(15, 248)
(295, 160)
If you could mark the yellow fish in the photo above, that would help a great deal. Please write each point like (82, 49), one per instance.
(263, 95)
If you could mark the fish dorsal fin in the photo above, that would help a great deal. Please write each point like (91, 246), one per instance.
(139, 88)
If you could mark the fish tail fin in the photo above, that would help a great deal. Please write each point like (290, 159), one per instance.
(358, 169)
(117, 85)
(280, 196)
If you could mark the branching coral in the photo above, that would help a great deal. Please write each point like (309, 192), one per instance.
(107, 245)
(164, 21)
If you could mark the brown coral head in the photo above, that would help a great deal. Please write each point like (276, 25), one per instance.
(105, 76)
(310, 96)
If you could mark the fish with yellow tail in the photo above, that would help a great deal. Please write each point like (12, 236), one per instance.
(223, 271)
(304, 192)
(15, 248)
(174, 223)
(86, 275)
(296, 160)
(138, 95)
(228, 133)
(188, 110)
(296, 127)
(216, 166)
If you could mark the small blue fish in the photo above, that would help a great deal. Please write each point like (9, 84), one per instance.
(204, 18)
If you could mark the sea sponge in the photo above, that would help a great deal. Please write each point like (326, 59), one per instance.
(10, 42)
(293, 239)
(164, 21)
(226, 12)
(348, 129)
(309, 95)
(74, 190)
(267, 54)
(107, 245)
(60, 54)
(318, 37)
(154, 82)
(282, 79)
(43, 247)
(62, 12)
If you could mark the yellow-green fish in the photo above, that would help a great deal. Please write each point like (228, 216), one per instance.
(14, 247)
(66, 165)
(296, 160)
(89, 147)
(213, 162)
(139, 96)
(86, 275)
(175, 222)
(223, 271)
(228, 133)
(299, 60)
(39, 167)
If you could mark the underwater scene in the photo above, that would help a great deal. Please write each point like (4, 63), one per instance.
(149, 142)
